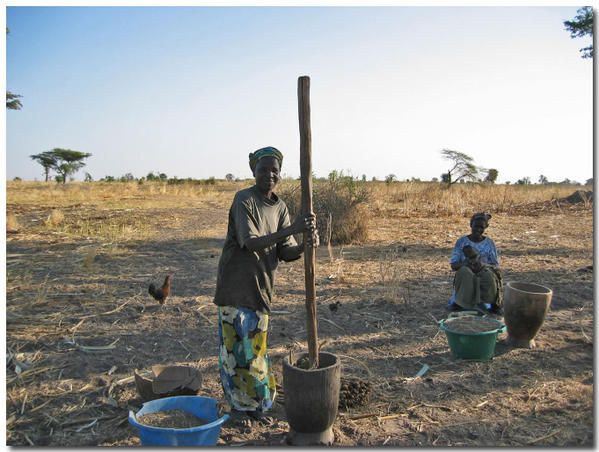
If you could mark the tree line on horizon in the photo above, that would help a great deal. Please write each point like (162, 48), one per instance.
(66, 162)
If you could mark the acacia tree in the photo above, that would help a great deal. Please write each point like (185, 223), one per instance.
(68, 162)
(390, 178)
(582, 25)
(491, 176)
(12, 100)
(64, 161)
(463, 168)
(47, 160)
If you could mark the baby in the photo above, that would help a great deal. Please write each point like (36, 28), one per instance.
(472, 259)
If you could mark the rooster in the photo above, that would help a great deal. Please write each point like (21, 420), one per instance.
(160, 294)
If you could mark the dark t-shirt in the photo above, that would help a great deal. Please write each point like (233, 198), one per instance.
(246, 278)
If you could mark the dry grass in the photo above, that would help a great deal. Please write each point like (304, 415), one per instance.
(56, 218)
(89, 256)
(113, 229)
(393, 286)
(12, 223)
(398, 198)
(118, 211)
(422, 198)
(351, 206)
(117, 194)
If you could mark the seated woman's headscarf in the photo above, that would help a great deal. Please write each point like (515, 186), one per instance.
(268, 151)
(481, 215)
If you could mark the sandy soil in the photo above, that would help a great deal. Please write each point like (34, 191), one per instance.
(379, 304)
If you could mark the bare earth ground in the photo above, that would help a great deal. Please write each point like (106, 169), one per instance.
(66, 294)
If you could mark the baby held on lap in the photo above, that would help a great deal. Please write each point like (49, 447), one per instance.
(472, 259)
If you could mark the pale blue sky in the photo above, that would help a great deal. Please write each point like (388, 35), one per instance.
(190, 91)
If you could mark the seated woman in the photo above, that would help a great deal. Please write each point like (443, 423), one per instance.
(477, 282)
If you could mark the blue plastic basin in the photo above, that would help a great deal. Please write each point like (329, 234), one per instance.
(205, 408)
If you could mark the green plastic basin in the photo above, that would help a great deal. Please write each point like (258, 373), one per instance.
(479, 346)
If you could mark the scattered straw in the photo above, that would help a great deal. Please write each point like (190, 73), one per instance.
(555, 432)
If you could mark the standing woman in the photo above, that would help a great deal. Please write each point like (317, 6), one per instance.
(477, 282)
(259, 235)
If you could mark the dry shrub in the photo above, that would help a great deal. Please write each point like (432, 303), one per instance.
(12, 223)
(55, 218)
(89, 257)
(339, 204)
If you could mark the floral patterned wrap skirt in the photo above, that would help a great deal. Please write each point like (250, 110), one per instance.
(245, 368)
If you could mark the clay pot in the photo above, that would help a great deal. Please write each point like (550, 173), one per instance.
(312, 399)
(525, 306)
